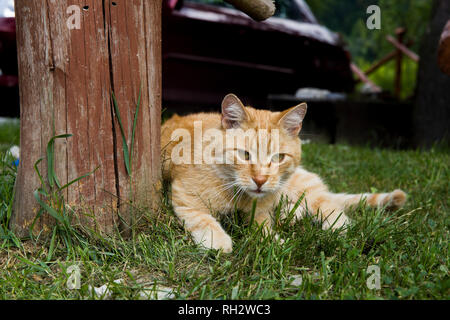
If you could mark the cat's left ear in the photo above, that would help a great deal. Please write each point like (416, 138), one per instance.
(292, 119)
(233, 112)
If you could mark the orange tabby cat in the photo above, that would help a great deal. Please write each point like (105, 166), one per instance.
(211, 175)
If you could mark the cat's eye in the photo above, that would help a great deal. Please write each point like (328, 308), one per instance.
(278, 158)
(244, 155)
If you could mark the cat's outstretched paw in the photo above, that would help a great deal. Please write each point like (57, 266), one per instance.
(214, 239)
(395, 200)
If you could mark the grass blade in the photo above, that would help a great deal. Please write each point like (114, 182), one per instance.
(41, 179)
(134, 126)
(124, 140)
(52, 245)
(52, 179)
(297, 204)
(49, 209)
(252, 217)
(78, 179)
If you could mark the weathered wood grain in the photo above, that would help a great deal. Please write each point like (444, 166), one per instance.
(66, 80)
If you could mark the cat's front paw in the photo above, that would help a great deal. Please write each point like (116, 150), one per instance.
(395, 200)
(214, 239)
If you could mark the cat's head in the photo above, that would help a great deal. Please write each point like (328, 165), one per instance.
(266, 146)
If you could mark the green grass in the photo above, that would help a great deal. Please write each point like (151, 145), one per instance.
(410, 246)
(9, 134)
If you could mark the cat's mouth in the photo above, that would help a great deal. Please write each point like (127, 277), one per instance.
(257, 192)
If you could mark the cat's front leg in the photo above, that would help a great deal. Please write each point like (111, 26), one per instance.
(197, 219)
(264, 219)
(204, 228)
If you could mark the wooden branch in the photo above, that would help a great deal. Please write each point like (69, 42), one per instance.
(444, 50)
(403, 49)
(383, 60)
(363, 78)
(259, 10)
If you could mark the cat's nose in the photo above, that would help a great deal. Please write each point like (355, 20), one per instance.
(260, 180)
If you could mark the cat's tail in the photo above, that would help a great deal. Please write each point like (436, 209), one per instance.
(392, 200)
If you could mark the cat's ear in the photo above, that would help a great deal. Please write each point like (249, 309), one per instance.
(233, 112)
(292, 119)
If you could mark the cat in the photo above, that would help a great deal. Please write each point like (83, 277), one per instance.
(202, 190)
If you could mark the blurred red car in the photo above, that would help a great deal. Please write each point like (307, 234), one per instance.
(210, 49)
(9, 90)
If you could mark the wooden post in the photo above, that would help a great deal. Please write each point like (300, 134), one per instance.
(66, 80)
(398, 67)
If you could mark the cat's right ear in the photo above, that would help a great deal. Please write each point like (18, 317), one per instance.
(292, 119)
(233, 112)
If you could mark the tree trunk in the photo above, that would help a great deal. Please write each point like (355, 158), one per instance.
(432, 107)
(67, 77)
(444, 49)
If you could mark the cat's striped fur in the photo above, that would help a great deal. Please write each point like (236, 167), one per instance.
(200, 192)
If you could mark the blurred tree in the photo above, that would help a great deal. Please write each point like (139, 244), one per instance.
(432, 108)
(348, 17)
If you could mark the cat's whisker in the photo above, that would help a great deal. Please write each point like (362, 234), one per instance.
(239, 191)
(227, 187)
(240, 197)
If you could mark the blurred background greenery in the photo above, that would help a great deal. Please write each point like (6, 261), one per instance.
(348, 18)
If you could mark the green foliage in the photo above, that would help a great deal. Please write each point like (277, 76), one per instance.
(50, 197)
(340, 16)
(8, 174)
(9, 134)
(349, 18)
(371, 45)
(385, 76)
(368, 46)
(127, 152)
